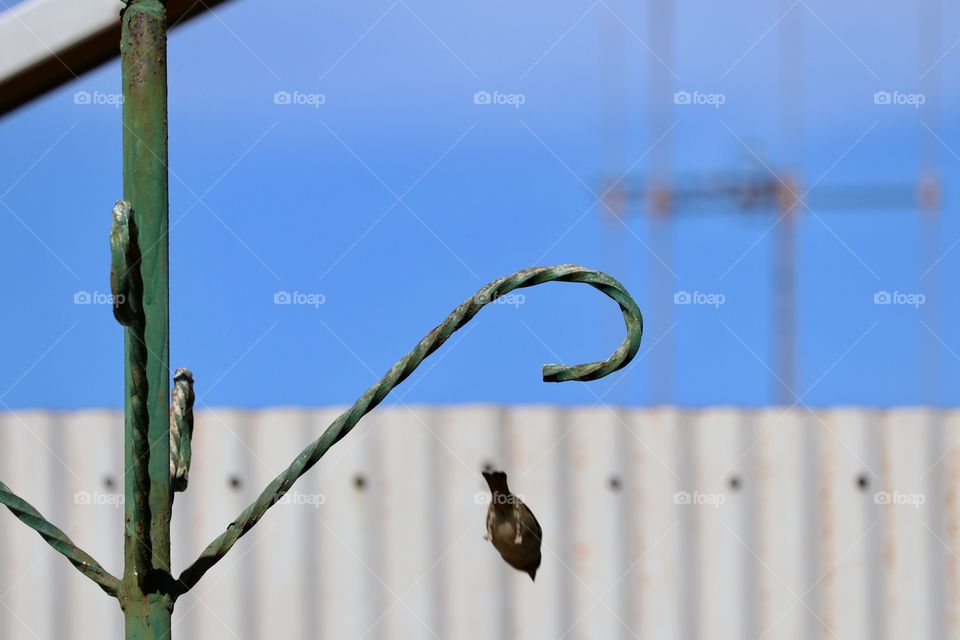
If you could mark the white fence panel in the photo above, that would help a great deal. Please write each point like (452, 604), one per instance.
(475, 596)
(538, 470)
(659, 524)
(595, 571)
(846, 584)
(717, 498)
(661, 602)
(33, 599)
(908, 538)
(784, 509)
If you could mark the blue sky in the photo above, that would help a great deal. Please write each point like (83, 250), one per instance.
(390, 195)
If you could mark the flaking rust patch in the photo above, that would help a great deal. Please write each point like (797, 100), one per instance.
(147, 36)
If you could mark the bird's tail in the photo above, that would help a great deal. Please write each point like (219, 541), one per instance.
(497, 481)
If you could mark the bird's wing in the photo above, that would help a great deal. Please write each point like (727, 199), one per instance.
(537, 531)
(490, 519)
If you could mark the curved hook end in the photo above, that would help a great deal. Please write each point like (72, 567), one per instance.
(556, 373)
(579, 373)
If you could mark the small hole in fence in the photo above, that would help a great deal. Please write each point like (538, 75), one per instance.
(615, 483)
(108, 482)
(735, 483)
(863, 482)
(488, 466)
(359, 482)
(235, 482)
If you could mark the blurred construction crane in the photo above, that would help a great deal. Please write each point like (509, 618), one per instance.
(777, 193)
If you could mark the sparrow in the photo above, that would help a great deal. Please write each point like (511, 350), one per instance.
(512, 527)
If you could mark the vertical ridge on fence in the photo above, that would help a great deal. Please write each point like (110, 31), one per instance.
(745, 491)
(949, 465)
(437, 520)
(811, 494)
(408, 502)
(597, 565)
(937, 551)
(907, 536)
(657, 545)
(621, 483)
(721, 548)
(781, 512)
(690, 594)
(849, 478)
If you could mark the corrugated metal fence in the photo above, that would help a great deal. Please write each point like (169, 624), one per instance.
(659, 524)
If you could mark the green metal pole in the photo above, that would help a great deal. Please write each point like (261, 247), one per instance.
(146, 586)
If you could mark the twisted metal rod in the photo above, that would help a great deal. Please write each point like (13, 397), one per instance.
(126, 284)
(59, 540)
(274, 491)
(181, 428)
